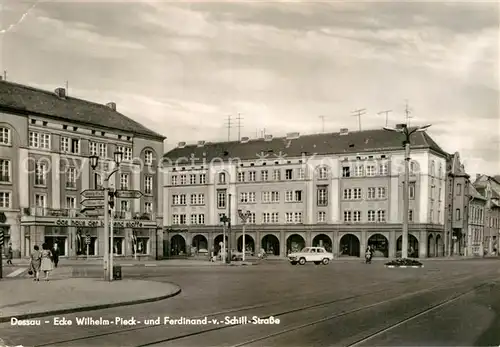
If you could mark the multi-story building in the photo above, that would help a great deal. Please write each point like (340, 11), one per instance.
(489, 187)
(342, 190)
(456, 211)
(475, 235)
(46, 139)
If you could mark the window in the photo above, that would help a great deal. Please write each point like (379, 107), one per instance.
(71, 178)
(300, 174)
(356, 216)
(5, 136)
(410, 215)
(251, 176)
(221, 199)
(359, 170)
(5, 173)
(264, 175)
(289, 196)
(384, 169)
(380, 216)
(5, 200)
(270, 197)
(198, 199)
(222, 177)
(192, 179)
(125, 206)
(347, 194)
(182, 219)
(323, 173)
(251, 218)
(411, 190)
(297, 217)
(298, 195)
(148, 207)
(289, 217)
(124, 181)
(148, 185)
(183, 180)
(275, 196)
(40, 200)
(40, 174)
(241, 177)
(276, 175)
(440, 171)
(347, 216)
(439, 192)
(370, 170)
(356, 193)
(371, 216)
(293, 196)
(433, 168)
(413, 168)
(268, 218)
(148, 157)
(382, 193)
(371, 193)
(346, 171)
(69, 145)
(175, 219)
(174, 180)
(71, 202)
(127, 152)
(321, 217)
(247, 197)
(203, 179)
(288, 174)
(457, 214)
(322, 197)
(39, 140)
(93, 149)
(459, 189)
(197, 219)
(103, 150)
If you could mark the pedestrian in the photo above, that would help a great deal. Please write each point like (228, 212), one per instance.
(55, 255)
(35, 263)
(47, 265)
(10, 255)
(368, 255)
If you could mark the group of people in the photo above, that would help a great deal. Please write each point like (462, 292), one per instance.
(45, 260)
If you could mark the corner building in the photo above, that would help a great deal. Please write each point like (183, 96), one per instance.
(343, 191)
(46, 139)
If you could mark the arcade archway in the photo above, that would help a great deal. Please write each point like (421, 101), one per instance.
(295, 243)
(349, 246)
(322, 240)
(200, 243)
(431, 246)
(249, 244)
(439, 246)
(412, 246)
(177, 245)
(380, 245)
(218, 243)
(271, 245)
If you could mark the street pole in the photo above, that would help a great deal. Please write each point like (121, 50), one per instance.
(244, 248)
(87, 249)
(223, 258)
(106, 226)
(406, 202)
(228, 259)
(112, 250)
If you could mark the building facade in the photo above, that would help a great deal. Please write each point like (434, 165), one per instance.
(489, 187)
(46, 139)
(343, 191)
(476, 235)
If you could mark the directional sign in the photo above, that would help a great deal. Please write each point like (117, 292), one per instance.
(92, 203)
(92, 194)
(128, 194)
(96, 212)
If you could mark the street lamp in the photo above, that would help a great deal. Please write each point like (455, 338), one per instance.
(108, 256)
(224, 219)
(403, 129)
(244, 217)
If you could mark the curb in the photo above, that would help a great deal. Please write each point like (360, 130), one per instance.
(404, 266)
(91, 308)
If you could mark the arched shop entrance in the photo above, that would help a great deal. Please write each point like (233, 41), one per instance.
(412, 246)
(295, 243)
(322, 240)
(177, 245)
(271, 245)
(200, 244)
(349, 246)
(431, 246)
(217, 243)
(249, 244)
(439, 246)
(380, 245)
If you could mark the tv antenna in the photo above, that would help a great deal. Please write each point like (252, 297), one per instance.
(386, 116)
(358, 113)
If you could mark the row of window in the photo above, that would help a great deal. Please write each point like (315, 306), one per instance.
(193, 179)
(361, 170)
(372, 193)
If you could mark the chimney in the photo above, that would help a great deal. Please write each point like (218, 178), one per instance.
(478, 176)
(245, 139)
(291, 136)
(344, 131)
(400, 126)
(61, 92)
(181, 145)
(268, 137)
(201, 143)
(111, 105)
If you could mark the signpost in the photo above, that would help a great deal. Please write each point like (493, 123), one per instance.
(128, 194)
(92, 203)
(87, 242)
(98, 212)
(92, 194)
(1, 252)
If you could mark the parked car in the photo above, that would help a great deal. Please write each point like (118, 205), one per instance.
(317, 255)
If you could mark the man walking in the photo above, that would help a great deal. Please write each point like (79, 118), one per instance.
(10, 254)
(55, 255)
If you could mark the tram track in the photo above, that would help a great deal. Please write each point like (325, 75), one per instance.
(117, 334)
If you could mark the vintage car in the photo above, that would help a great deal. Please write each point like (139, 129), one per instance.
(317, 255)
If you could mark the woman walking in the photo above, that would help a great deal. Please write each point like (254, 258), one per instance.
(46, 266)
(35, 263)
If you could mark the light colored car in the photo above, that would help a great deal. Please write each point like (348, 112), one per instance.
(317, 255)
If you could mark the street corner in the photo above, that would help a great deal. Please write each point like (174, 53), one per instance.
(62, 296)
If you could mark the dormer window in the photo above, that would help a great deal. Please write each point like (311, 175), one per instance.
(222, 177)
(148, 157)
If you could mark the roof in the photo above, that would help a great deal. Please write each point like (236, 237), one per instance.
(29, 100)
(475, 194)
(319, 144)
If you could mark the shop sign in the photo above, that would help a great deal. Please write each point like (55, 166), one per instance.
(96, 223)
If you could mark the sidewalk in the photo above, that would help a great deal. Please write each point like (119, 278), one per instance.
(25, 299)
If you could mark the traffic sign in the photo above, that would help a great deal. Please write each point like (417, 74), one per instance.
(92, 203)
(128, 194)
(1, 237)
(92, 194)
(96, 212)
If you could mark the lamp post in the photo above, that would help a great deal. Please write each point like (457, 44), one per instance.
(224, 219)
(108, 253)
(244, 217)
(403, 129)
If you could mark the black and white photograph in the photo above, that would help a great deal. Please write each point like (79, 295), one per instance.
(249, 173)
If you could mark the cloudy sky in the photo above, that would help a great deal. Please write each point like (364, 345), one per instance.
(182, 67)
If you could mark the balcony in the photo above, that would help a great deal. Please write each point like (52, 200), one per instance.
(51, 212)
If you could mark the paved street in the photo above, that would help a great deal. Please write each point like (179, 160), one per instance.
(342, 304)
